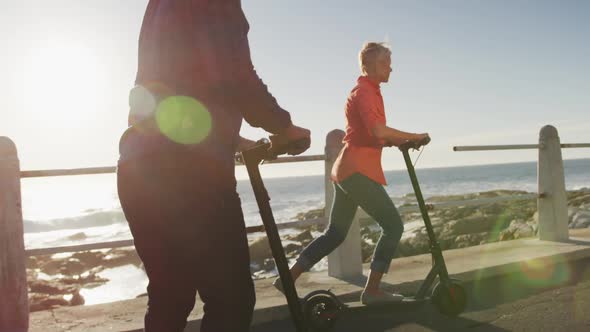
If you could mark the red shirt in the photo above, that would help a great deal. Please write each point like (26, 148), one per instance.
(362, 150)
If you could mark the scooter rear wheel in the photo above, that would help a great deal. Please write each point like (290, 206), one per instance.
(451, 299)
(321, 312)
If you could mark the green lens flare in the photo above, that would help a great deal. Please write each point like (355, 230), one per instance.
(531, 274)
(183, 119)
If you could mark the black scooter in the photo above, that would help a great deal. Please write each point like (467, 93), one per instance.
(319, 310)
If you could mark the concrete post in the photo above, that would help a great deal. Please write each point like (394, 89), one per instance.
(552, 201)
(346, 261)
(14, 304)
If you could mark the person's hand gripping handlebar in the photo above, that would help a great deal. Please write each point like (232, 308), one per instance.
(293, 141)
(280, 145)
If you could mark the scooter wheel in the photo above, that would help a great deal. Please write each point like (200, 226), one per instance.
(320, 312)
(450, 300)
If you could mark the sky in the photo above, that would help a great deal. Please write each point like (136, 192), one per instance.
(468, 72)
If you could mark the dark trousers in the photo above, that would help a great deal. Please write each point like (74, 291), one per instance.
(189, 231)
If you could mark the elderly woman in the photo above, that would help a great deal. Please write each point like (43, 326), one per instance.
(358, 176)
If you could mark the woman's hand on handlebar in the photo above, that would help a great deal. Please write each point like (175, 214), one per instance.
(421, 140)
(415, 142)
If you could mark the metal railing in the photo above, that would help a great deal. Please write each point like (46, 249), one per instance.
(127, 243)
(293, 224)
(551, 196)
(516, 147)
(113, 169)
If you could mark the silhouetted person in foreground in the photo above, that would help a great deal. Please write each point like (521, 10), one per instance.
(195, 83)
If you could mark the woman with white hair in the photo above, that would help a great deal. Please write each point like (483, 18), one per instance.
(358, 176)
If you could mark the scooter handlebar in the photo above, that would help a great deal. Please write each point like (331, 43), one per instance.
(272, 147)
(279, 145)
(414, 145)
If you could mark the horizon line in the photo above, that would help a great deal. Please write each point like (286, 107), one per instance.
(403, 169)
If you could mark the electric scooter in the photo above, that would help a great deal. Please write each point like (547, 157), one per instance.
(319, 310)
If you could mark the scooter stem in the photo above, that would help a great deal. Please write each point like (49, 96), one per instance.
(252, 159)
(434, 245)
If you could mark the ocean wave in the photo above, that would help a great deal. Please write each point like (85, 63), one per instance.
(94, 219)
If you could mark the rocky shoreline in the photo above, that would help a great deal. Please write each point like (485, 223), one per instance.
(56, 280)
(455, 227)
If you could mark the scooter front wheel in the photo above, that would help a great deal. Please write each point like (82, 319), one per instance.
(451, 299)
(321, 312)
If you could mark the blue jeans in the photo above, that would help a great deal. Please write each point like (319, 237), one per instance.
(358, 190)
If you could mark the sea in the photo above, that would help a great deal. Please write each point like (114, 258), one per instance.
(70, 210)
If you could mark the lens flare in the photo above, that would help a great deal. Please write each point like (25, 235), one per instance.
(142, 104)
(545, 272)
(183, 120)
(530, 275)
(501, 223)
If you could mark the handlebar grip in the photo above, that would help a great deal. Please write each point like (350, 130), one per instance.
(280, 145)
(406, 146)
(269, 149)
(424, 141)
(414, 145)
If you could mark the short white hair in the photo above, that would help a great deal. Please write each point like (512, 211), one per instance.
(369, 54)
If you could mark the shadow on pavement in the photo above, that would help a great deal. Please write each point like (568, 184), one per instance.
(484, 296)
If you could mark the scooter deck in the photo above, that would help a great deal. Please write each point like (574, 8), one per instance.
(405, 303)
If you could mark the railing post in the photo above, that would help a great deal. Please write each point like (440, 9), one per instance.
(346, 261)
(14, 304)
(552, 200)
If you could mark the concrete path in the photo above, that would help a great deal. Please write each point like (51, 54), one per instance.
(528, 308)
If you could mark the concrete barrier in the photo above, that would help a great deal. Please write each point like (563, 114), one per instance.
(14, 303)
(552, 201)
(346, 261)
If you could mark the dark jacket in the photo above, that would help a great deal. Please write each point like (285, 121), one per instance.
(199, 48)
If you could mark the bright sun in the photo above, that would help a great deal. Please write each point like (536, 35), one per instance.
(63, 82)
